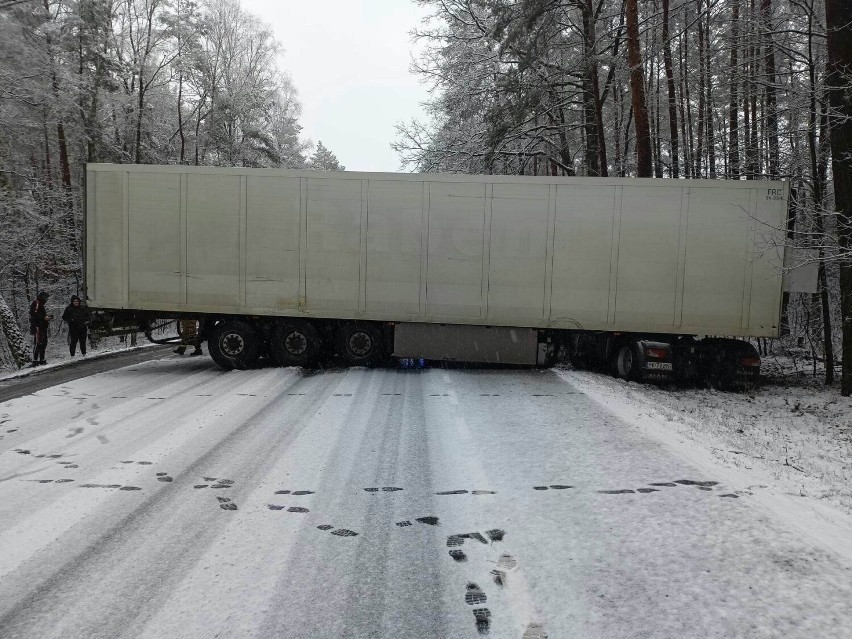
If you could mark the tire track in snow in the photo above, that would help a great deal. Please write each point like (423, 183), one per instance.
(378, 440)
(42, 527)
(153, 546)
(519, 603)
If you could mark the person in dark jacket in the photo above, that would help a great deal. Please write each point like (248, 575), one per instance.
(77, 316)
(39, 320)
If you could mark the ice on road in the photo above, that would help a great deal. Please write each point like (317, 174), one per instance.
(170, 499)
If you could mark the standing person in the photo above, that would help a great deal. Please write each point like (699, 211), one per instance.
(189, 337)
(77, 316)
(39, 320)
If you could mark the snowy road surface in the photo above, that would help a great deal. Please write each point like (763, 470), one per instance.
(170, 499)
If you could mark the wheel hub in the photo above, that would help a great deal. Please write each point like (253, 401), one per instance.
(296, 343)
(360, 344)
(232, 344)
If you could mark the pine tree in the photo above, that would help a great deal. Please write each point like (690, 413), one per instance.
(324, 160)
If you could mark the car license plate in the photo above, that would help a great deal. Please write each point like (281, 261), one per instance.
(659, 366)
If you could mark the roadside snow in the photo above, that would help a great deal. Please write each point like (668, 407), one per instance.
(788, 445)
(62, 358)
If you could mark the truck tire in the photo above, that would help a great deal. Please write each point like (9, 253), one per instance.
(234, 344)
(722, 373)
(294, 343)
(360, 344)
(627, 362)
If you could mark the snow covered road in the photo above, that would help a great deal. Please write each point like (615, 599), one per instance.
(170, 499)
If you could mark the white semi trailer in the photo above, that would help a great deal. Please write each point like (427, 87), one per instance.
(647, 277)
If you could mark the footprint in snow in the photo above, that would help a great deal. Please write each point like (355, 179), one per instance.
(226, 504)
(507, 562)
(297, 509)
(322, 526)
(692, 482)
(164, 477)
(495, 534)
(403, 524)
(454, 541)
(458, 555)
(483, 620)
(429, 521)
(534, 631)
(343, 532)
(452, 492)
(474, 595)
(623, 491)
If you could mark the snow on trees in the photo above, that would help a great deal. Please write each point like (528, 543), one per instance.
(324, 160)
(736, 89)
(148, 81)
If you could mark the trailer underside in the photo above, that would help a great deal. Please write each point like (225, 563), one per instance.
(241, 342)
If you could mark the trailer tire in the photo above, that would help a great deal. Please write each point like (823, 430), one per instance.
(626, 362)
(234, 344)
(360, 344)
(294, 343)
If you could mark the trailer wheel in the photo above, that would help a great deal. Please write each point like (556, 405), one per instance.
(234, 344)
(295, 344)
(360, 344)
(627, 363)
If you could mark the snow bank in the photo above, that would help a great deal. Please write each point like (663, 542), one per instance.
(789, 445)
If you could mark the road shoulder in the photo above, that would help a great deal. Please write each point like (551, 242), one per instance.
(765, 481)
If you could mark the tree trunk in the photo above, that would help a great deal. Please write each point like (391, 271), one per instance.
(838, 16)
(733, 113)
(12, 332)
(670, 85)
(637, 93)
(708, 100)
(702, 65)
(590, 121)
(819, 172)
(769, 74)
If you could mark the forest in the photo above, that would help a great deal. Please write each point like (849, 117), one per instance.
(124, 81)
(712, 89)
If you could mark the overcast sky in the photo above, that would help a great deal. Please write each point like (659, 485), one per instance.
(349, 60)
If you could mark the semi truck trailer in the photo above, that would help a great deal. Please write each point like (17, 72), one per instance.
(646, 278)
